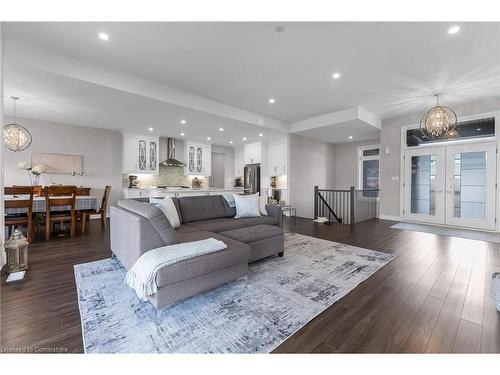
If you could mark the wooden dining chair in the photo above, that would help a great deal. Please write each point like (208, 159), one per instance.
(22, 218)
(101, 211)
(60, 196)
(37, 190)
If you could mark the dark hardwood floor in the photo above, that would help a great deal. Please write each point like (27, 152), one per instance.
(433, 297)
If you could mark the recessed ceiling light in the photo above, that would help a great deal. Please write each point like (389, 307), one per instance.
(261, 135)
(208, 138)
(478, 129)
(183, 122)
(231, 142)
(336, 75)
(103, 36)
(271, 101)
(182, 134)
(150, 129)
(244, 138)
(350, 137)
(454, 29)
(221, 129)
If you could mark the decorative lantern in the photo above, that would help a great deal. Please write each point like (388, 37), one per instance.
(17, 252)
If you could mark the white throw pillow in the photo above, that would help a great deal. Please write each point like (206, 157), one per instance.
(168, 207)
(262, 206)
(247, 205)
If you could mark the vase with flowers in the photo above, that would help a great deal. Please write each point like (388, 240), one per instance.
(33, 172)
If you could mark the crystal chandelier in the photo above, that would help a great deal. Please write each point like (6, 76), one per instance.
(439, 121)
(16, 137)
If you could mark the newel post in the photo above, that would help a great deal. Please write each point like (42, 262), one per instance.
(315, 202)
(352, 197)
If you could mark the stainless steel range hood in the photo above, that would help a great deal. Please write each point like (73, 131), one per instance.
(171, 160)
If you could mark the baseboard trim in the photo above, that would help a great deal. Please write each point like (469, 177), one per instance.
(390, 217)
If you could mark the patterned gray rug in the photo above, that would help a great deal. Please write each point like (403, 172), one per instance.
(254, 315)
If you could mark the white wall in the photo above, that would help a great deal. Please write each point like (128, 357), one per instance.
(2, 252)
(101, 151)
(311, 163)
(347, 163)
(390, 164)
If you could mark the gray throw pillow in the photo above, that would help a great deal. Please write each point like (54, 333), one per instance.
(155, 216)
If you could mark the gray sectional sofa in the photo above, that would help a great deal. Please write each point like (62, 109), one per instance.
(137, 227)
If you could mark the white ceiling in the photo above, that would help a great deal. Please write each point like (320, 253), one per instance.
(53, 97)
(387, 68)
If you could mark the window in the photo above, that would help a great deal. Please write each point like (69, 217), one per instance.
(368, 170)
(481, 128)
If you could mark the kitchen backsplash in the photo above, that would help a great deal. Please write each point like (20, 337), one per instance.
(168, 176)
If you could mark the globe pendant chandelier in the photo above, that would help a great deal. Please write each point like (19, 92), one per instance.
(439, 121)
(16, 137)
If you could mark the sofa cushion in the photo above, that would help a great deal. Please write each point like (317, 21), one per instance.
(184, 228)
(201, 208)
(217, 225)
(251, 221)
(235, 253)
(230, 211)
(254, 233)
(155, 216)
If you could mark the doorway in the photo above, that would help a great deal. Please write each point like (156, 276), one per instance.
(216, 179)
(451, 184)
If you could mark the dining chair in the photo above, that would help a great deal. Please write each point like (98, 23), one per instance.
(20, 204)
(56, 196)
(101, 211)
(37, 190)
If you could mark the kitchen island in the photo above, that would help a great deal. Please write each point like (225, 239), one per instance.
(175, 192)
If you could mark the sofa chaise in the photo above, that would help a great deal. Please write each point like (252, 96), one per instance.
(137, 227)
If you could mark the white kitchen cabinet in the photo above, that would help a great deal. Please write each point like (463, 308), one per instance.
(140, 154)
(137, 193)
(239, 162)
(198, 159)
(277, 159)
(253, 152)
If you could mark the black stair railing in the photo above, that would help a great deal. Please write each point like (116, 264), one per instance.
(346, 206)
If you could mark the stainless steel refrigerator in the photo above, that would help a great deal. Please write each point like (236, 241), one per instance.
(251, 182)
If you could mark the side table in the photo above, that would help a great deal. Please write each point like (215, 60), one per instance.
(289, 219)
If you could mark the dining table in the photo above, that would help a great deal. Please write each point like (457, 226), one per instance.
(82, 203)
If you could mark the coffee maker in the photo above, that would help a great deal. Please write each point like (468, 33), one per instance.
(133, 182)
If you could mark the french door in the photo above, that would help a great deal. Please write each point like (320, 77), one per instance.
(452, 185)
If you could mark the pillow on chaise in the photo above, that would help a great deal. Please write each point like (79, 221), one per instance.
(247, 205)
(168, 208)
(262, 206)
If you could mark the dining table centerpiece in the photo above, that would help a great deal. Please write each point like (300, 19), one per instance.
(33, 172)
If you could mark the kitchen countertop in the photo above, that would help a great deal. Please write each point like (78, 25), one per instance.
(180, 190)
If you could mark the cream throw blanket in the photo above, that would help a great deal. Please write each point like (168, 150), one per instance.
(142, 276)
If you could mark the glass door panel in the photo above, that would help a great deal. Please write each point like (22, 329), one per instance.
(424, 185)
(471, 185)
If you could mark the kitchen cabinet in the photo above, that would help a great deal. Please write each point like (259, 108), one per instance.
(277, 158)
(253, 152)
(239, 162)
(140, 154)
(198, 159)
(130, 193)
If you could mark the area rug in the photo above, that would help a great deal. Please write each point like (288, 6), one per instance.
(252, 315)
(451, 232)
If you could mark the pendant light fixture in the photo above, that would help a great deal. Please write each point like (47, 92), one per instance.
(16, 137)
(439, 121)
